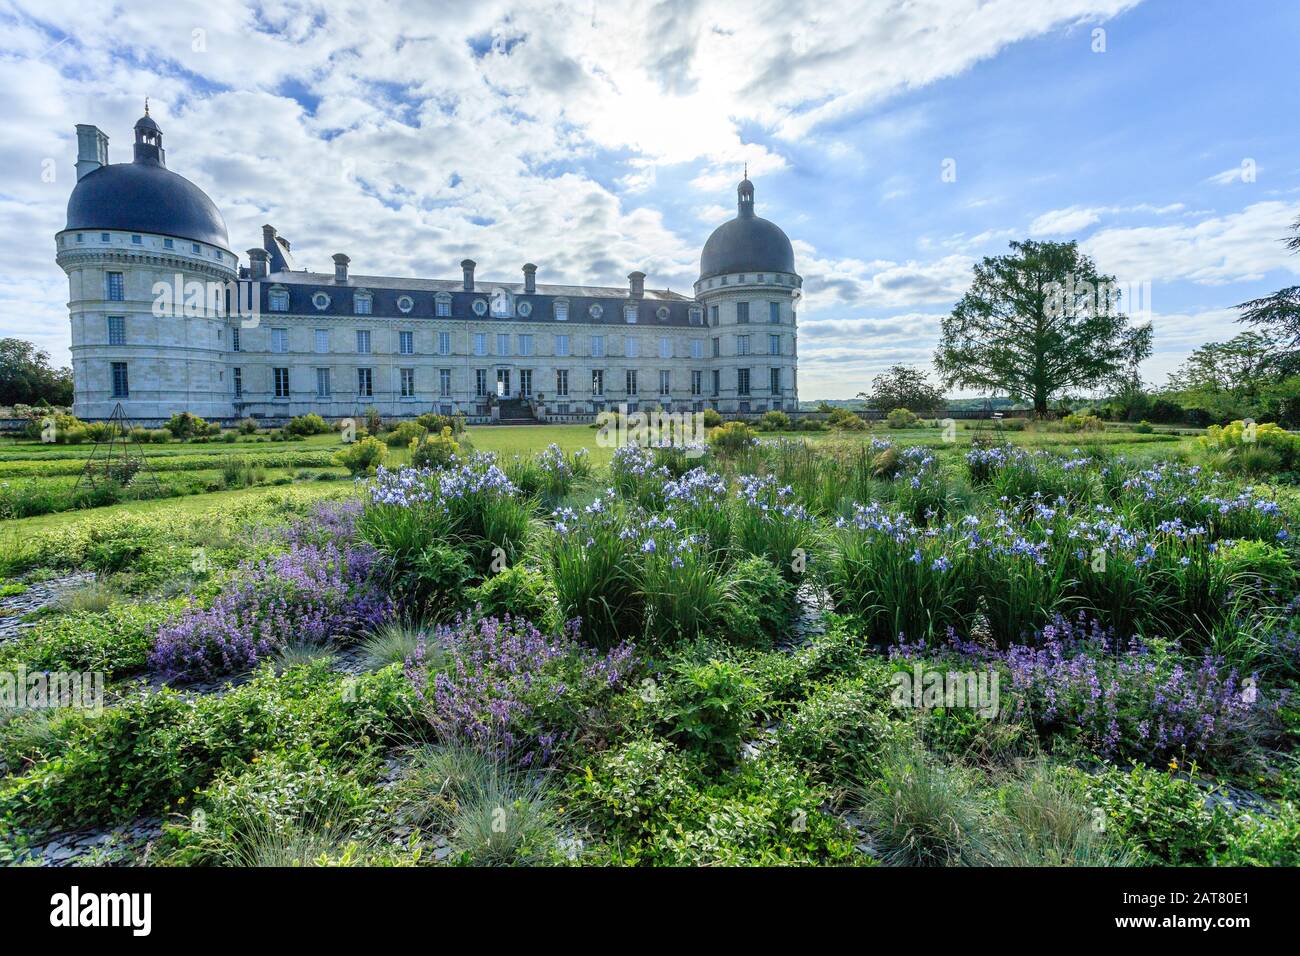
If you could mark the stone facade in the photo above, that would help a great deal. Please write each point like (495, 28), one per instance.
(164, 319)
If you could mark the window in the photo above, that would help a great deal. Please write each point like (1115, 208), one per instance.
(665, 347)
(525, 345)
(697, 316)
(279, 340)
(442, 306)
(405, 303)
(322, 342)
(713, 315)
(480, 343)
(561, 310)
(717, 382)
(697, 382)
(362, 304)
(598, 346)
(136, 241)
(278, 300)
(237, 379)
(503, 343)
(407, 376)
(480, 382)
(697, 348)
(774, 380)
(121, 387)
(117, 330)
(774, 312)
(742, 313)
(323, 383)
(365, 382)
(742, 381)
(234, 339)
(562, 382)
(169, 244)
(363, 341)
(562, 345)
(629, 314)
(444, 383)
(597, 381)
(717, 348)
(194, 246)
(774, 345)
(631, 381)
(280, 380)
(444, 343)
(81, 237)
(113, 289)
(665, 381)
(631, 347)
(742, 344)
(321, 301)
(406, 342)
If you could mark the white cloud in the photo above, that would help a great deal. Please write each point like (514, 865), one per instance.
(1240, 246)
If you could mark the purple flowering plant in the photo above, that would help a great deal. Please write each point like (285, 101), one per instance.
(310, 594)
(505, 687)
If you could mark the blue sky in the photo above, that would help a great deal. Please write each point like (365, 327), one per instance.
(598, 138)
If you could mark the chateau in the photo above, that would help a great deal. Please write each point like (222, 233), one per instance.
(165, 318)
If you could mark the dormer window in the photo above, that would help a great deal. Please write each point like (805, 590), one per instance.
(321, 300)
(405, 303)
(629, 314)
(561, 310)
(278, 300)
(662, 313)
(697, 316)
(362, 303)
(442, 305)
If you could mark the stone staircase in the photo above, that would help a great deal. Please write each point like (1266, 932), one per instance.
(515, 411)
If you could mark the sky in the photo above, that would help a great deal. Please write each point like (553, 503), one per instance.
(895, 141)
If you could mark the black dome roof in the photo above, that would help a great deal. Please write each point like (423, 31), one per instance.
(746, 243)
(146, 196)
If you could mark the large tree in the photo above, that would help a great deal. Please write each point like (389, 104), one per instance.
(1279, 315)
(903, 386)
(1037, 322)
(27, 378)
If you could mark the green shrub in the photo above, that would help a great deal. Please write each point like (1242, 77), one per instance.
(362, 457)
(434, 450)
(184, 426)
(247, 426)
(761, 603)
(901, 418)
(709, 706)
(712, 418)
(731, 438)
(309, 424)
(842, 729)
(404, 434)
(774, 421)
(1082, 423)
(842, 419)
(1143, 428)
(521, 592)
(811, 425)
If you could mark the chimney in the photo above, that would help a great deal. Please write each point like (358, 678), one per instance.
(341, 268)
(268, 237)
(92, 149)
(636, 284)
(530, 277)
(257, 260)
(468, 267)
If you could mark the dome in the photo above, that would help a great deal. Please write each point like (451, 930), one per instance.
(746, 243)
(146, 196)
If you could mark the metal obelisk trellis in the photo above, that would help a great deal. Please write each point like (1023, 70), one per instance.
(117, 460)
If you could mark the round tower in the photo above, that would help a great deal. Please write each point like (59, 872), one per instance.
(749, 289)
(151, 281)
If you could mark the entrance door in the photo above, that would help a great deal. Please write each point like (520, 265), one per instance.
(503, 383)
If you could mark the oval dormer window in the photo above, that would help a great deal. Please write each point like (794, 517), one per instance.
(480, 307)
(405, 303)
(595, 311)
(321, 301)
